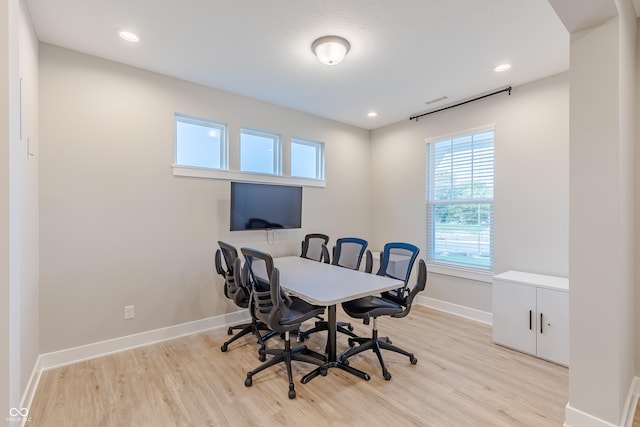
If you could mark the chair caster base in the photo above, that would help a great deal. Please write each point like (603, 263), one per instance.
(413, 359)
(386, 374)
(224, 347)
(292, 392)
(229, 331)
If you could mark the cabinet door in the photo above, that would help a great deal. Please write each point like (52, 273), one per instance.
(553, 325)
(514, 314)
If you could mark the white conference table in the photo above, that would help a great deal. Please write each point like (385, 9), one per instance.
(328, 285)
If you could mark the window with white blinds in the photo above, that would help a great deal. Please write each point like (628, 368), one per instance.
(460, 200)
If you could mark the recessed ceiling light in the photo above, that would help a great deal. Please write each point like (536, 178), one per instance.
(372, 114)
(128, 36)
(502, 67)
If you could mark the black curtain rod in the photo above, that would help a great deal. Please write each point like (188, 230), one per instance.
(507, 89)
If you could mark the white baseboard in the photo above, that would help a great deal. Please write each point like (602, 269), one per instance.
(632, 401)
(32, 385)
(577, 418)
(102, 348)
(458, 310)
(77, 354)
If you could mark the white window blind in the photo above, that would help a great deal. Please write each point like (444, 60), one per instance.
(460, 200)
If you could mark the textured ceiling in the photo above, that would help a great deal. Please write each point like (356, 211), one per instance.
(403, 52)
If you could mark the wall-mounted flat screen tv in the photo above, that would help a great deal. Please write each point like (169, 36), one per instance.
(265, 206)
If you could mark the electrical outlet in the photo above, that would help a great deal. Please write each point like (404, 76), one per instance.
(128, 312)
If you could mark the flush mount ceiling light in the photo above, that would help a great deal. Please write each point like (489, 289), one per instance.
(128, 36)
(502, 67)
(330, 50)
(372, 114)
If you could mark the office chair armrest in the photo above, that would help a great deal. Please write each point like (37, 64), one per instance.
(325, 254)
(368, 261)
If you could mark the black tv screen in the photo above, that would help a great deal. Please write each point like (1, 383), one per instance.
(265, 206)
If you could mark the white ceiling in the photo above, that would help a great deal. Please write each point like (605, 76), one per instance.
(403, 52)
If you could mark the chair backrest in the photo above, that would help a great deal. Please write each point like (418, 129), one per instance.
(314, 246)
(269, 301)
(243, 281)
(260, 267)
(396, 261)
(348, 252)
(272, 305)
(420, 285)
(229, 253)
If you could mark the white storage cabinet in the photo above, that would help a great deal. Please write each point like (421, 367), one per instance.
(531, 314)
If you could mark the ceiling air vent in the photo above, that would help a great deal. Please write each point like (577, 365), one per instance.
(433, 101)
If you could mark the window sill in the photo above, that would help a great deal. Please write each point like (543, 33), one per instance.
(228, 175)
(462, 272)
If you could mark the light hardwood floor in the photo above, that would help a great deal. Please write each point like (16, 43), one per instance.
(461, 379)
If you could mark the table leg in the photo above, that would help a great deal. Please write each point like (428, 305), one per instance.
(332, 361)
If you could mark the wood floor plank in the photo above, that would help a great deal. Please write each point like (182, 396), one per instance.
(461, 379)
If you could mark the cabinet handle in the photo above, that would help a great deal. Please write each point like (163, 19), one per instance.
(530, 320)
(540, 322)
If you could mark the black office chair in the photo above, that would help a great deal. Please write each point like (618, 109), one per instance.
(396, 261)
(281, 313)
(368, 308)
(236, 290)
(347, 253)
(314, 246)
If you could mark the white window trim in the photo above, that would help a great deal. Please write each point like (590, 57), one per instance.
(450, 135)
(476, 274)
(224, 142)
(196, 172)
(277, 155)
(319, 146)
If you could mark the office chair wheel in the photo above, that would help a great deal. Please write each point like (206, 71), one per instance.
(350, 327)
(248, 381)
(292, 392)
(229, 331)
(262, 356)
(351, 342)
(413, 359)
(224, 347)
(386, 374)
(323, 372)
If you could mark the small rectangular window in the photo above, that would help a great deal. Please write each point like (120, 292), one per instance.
(260, 152)
(460, 200)
(200, 143)
(307, 159)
